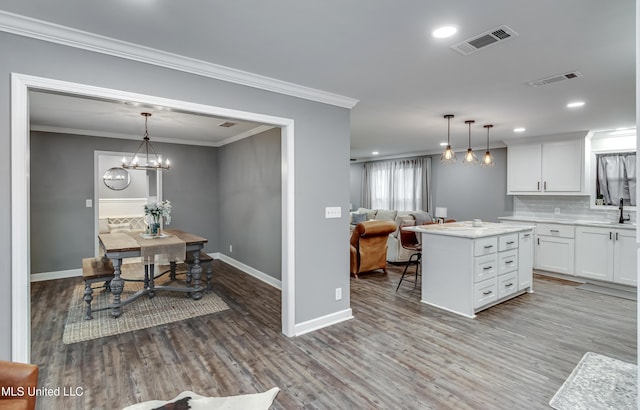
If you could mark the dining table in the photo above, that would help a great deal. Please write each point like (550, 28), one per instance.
(171, 245)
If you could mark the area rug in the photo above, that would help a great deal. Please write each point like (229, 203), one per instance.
(599, 382)
(193, 401)
(142, 313)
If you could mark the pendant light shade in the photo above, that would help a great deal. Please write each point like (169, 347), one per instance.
(470, 157)
(151, 160)
(487, 160)
(449, 155)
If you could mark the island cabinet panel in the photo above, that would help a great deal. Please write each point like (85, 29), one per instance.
(467, 269)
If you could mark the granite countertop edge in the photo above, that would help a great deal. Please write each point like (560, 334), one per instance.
(578, 222)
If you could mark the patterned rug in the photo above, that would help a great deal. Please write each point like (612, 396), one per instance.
(142, 313)
(599, 382)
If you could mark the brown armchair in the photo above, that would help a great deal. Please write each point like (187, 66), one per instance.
(369, 246)
(19, 382)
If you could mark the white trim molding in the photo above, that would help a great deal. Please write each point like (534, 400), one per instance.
(269, 280)
(61, 274)
(323, 321)
(54, 33)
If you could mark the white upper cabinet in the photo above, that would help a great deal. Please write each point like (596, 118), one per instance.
(549, 168)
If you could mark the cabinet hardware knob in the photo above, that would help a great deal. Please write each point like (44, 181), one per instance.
(617, 236)
(487, 293)
(545, 185)
(554, 230)
(508, 262)
(538, 241)
(510, 243)
(488, 246)
(526, 235)
(538, 185)
(487, 267)
(610, 236)
(508, 284)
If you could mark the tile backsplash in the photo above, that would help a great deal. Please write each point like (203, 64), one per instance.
(571, 207)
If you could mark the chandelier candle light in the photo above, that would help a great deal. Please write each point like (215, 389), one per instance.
(470, 157)
(487, 160)
(152, 161)
(449, 155)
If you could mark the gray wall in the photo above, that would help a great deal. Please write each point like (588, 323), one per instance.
(467, 193)
(320, 167)
(62, 179)
(472, 192)
(249, 195)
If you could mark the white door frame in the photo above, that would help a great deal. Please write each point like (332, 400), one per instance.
(20, 201)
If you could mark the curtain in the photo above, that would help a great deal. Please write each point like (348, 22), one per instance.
(403, 185)
(616, 178)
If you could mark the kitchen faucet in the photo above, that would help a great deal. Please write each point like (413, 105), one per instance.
(621, 208)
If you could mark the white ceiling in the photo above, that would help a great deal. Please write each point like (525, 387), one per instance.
(380, 52)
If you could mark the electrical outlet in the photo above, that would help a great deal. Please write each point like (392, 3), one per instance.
(230, 248)
(332, 212)
(556, 211)
(338, 293)
(88, 203)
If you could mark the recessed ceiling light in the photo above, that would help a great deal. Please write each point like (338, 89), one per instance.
(575, 104)
(375, 153)
(443, 144)
(444, 32)
(519, 129)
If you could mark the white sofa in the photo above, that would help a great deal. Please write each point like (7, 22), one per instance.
(395, 251)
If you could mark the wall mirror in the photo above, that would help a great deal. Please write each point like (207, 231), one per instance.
(116, 178)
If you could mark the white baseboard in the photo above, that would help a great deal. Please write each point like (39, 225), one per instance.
(61, 274)
(269, 280)
(323, 321)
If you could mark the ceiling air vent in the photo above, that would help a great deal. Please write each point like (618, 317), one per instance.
(227, 124)
(555, 79)
(486, 39)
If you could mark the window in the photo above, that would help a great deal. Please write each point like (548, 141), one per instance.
(401, 185)
(616, 178)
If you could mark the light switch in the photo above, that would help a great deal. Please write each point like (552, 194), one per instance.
(89, 203)
(332, 212)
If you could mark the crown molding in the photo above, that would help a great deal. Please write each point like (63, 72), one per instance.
(54, 33)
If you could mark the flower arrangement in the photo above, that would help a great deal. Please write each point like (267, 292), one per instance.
(157, 210)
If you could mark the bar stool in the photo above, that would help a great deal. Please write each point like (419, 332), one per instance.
(409, 241)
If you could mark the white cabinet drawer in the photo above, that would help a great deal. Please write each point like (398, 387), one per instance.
(561, 231)
(507, 261)
(507, 284)
(485, 267)
(484, 293)
(485, 246)
(506, 242)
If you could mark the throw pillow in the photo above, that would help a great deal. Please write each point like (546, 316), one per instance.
(124, 227)
(356, 218)
(371, 213)
(422, 217)
(386, 215)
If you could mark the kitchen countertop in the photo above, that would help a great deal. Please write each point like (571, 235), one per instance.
(579, 222)
(466, 229)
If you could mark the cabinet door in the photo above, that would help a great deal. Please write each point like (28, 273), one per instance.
(594, 253)
(562, 166)
(555, 254)
(624, 257)
(525, 260)
(523, 168)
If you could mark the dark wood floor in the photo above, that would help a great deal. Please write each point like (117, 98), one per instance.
(395, 354)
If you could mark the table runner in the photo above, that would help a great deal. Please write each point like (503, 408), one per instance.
(160, 250)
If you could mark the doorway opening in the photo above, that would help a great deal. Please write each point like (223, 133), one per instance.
(20, 197)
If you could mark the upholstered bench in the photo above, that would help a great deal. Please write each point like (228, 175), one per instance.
(95, 270)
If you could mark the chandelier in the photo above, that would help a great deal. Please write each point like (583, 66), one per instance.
(449, 155)
(150, 160)
(487, 160)
(470, 157)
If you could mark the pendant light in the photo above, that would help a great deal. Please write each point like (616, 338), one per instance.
(470, 157)
(487, 160)
(449, 155)
(151, 160)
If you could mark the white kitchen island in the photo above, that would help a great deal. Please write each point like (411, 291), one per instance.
(467, 268)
